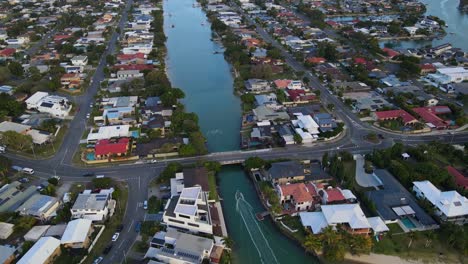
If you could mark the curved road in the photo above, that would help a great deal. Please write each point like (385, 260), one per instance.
(138, 176)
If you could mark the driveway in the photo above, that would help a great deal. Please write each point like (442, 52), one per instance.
(362, 178)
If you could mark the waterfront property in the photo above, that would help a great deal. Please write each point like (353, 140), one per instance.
(449, 206)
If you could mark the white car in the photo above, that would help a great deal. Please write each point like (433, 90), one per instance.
(153, 161)
(88, 115)
(91, 105)
(115, 237)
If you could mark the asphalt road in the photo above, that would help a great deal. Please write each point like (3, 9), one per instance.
(138, 175)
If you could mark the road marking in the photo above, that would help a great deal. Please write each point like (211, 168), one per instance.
(130, 227)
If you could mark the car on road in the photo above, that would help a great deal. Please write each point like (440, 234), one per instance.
(115, 237)
(380, 136)
(138, 227)
(107, 249)
(89, 174)
(23, 180)
(88, 115)
(98, 260)
(28, 171)
(91, 105)
(153, 161)
(145, 205)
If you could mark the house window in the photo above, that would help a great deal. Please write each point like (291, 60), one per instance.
(176, 221)
(194, 225)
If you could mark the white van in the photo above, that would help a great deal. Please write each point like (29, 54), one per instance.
(100, 176)
(28, 171)
(2, 149)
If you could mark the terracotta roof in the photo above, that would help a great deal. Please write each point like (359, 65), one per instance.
(282, 83)
(299, 191)
(393, 114)
(130, 56)
(460, 179)
(391, 53)
(334, 195)
(316, 60)
(429, 114)
(8, 52)
(106, 146)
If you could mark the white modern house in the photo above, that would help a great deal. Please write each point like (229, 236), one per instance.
(450, 75)
(79, 60)
(349, 216)
(56, 106)
(189, 211)
(175, 247)
(108, 132)
(449, 206)
(93, 206)
(129, 74)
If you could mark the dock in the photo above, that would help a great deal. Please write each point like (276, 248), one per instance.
(261, 216)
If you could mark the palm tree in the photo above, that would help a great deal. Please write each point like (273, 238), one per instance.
(330, 236)
(313, 243)
(228, 242)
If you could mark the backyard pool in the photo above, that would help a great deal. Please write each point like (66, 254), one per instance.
(408, 223)
(90, 156)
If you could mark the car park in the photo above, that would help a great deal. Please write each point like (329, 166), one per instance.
(115, 237)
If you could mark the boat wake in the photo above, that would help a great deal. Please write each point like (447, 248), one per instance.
(267, 256)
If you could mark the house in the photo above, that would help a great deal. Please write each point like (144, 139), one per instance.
(449, 206)
(427, 68)
(40, 206)
(349, 217)
(430, 115)
(79, 60)
(405, 117)
(56, 106)
(70, 80)
(447, 75)
(6, 89)
(108, 132)
(77, 234)
(93, 206)
(7, 53)
(394, 204)
(257, 85)
(390, 53)
(6, 230)
(36, 232)
(264, 113)
(176, 247)
(129, 74)
(189, 211)
(325, 122)
(43, 251)
(378, 226)
(460, 179)
(286, 172)
(306, 123)
(301, 196)
(332, 196)
(108, 148)
(153, 148)
(12, 196)
(7, 254)
(191, 177)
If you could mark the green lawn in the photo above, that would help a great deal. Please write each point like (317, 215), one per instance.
(212, 185)
(424, 245)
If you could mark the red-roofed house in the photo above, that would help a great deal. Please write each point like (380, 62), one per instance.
(460, 179)
(137, 58)
(332, 196)
(406, 117)
(360, 60)
(251, 42)
(316, 60)
(300, 96)
(333, 24)
(60, 38)
(430, 115)
(107, 148)
(7, 53)
(302, 196)
(428, 68)
(390, 53)
(282, 84)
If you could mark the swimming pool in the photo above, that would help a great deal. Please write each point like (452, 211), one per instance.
(135, 133)
(408, 223)
(90, 156)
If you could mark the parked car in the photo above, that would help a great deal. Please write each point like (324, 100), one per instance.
(17, 168)
(107, 249)
(23, 180)
(28, 171)
(98, 260)
(115, 237)
(2, 149)
(89, 174)
(145, 205)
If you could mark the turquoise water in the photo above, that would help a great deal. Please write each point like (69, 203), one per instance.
(408, 223)
(90, 156)
(457, 25)
(208, 84)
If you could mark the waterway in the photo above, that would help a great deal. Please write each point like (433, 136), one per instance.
(457, 26)
(206, 79)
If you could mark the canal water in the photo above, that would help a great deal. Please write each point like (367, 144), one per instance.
(457, 26)
(206, 79)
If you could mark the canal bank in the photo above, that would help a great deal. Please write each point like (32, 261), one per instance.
(194, 66)
(456, 21)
